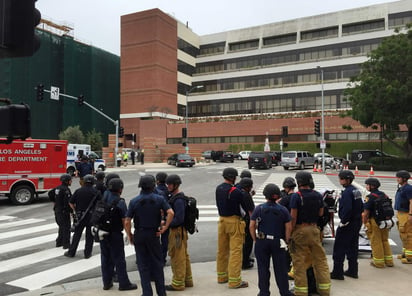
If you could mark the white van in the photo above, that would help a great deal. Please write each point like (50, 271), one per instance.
(75, 151)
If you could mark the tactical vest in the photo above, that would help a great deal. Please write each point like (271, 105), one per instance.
(309, 211)
(271, 220)
(147, 213)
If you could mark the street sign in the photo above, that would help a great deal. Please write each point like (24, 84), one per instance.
(322, 144)
(54, 93)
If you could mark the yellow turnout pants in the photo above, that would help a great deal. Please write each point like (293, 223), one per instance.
(405, 232)
(379, 239)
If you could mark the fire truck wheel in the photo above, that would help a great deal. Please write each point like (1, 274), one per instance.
(22, 195)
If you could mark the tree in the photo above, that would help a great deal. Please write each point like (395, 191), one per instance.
(95, 140)
(73, 134)
(381, 94)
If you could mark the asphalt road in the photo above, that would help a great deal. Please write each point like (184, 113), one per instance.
(29, 259)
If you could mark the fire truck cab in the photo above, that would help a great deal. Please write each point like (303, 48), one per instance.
(31, 167)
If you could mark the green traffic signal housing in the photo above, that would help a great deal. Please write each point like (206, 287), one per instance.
(80, 100)
(317, 127)
(40, 92)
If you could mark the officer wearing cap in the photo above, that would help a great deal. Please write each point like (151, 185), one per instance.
(305, 247)
(270, 228)
(112, 245)
(145, 211)
(82, 202)
(60, 196)
(379, 237)
(403, 205)
(347, 235)
(231, 231)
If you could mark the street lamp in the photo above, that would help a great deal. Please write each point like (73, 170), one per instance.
(187, 115)
(323, 144)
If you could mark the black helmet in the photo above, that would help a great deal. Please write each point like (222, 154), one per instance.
(100, 175)
(245, 173)
(88, 179)
(346, 174)
(84, 157)
(115, 185)
(65, 178)
(303, 178)
(147, 182)
(373, 182)
(246, 182)
(173, 179)
(403, 174)
(289, 182)
(109, 177)
(161, 177)
(270, 190)
(230, 173)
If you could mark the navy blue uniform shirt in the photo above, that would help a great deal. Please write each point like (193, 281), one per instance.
(350, 205)
(229, 204)
(273, 218)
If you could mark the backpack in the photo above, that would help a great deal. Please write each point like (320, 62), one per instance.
(191, 213)
(383, 207)
(102, 214)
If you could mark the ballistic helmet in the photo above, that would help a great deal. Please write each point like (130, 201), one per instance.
(245, 173)
(346, 174)
(230, 173)
(161, 177)
(100, 175)
(289, 182)
(115, 185)
(246, 182)
(147, 182)
(403, 174)
(65, 178)
(373, 182)
(303, 178)
(109, 177)
(84, 157)
(88, 179)
(270, 190)
(173, 179)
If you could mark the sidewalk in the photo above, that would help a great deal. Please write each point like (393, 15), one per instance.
(372, 281)
(149, 165)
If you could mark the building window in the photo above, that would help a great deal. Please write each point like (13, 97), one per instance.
(362, 27)
(400, 19)
(187, 47)
(244, 45)
(211, 49)
(280, 40)
(319, 34)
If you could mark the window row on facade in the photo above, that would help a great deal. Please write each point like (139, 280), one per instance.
(296, 56)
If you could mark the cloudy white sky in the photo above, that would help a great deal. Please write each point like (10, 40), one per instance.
(97, 22)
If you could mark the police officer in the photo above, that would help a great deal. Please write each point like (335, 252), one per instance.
(85, 167)
(305, 247)
(178, 236)
(289, 186)
(245, 185)
(82, 202)
(161, 189)
(100, 184)
(145, 211)
(379, 237)
(403, 205)
(231, 231)
(272, 222)
(347, 234)
(60, 196)
(112, 245)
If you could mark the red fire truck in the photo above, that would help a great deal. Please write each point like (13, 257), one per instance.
(31, 167)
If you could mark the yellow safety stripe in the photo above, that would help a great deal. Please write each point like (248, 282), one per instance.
(177, 283)
(408, 253)
(222, 274)
(378, 260)
(388, 258)
(324, 286)
(235, 280)
(301, 289)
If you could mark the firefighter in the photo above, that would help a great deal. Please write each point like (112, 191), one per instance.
(60, 196)
(347, 234)
(231, 231)
(379, 237)
(403, 205)
(272, 223)
(306, 207)
(178, 236)
(145, 212)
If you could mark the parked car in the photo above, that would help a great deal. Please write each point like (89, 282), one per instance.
(223, 156)
(276, 157)
(180, 159)
(259, 159)
(365, 155)
(297, 159)
(242, 155)
(207, 154)
(328, 157)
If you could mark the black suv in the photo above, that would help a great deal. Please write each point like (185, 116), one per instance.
(259, 160)
(223, 156)
(276, 157)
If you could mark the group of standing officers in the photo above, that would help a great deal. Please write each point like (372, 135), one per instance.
(284, 227)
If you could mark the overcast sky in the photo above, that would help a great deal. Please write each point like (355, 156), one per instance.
(97, 22)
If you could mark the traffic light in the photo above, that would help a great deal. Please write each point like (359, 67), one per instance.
(284, 131)
(121, 132)
(40, 92)
(16, 121)
(317, 127)
(18, 19)
(184, 132)
(184, 144)
(80, 100)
